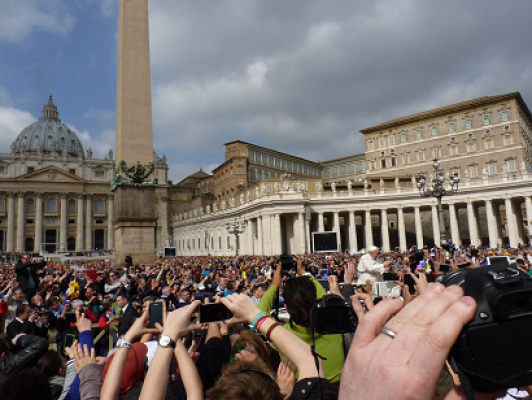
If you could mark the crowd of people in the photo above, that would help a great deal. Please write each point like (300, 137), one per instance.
(83, 330)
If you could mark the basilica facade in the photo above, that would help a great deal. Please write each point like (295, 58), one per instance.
(55, 196)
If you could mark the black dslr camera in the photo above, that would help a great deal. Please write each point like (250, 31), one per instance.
(491, 351)
(333, 315)
(287, 262)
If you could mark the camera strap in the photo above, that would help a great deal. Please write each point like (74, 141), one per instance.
(315, 353)
(467, 387)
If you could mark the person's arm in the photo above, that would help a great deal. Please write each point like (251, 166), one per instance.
(113, 379)
(177, 325)
(294, 348)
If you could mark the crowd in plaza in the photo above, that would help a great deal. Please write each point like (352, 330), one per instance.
(82, 330)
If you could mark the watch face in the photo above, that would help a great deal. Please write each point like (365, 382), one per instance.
(164, 340)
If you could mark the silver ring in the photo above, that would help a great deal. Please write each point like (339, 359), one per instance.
(388, 332)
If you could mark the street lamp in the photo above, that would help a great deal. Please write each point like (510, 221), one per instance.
(438, 190)
(236, 228)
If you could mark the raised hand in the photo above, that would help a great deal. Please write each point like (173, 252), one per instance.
(83, 357)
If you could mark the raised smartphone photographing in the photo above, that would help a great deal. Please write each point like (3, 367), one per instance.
(214, 313)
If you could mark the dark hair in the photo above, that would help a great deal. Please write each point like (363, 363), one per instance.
(245, 381)
(50, 363)
(299, 297)
(107, 305)
(28, 384)
(21, 309)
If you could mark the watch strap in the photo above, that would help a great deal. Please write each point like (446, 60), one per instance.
(124, 343)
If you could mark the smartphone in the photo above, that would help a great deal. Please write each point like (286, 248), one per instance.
(70, 316)
(411, 283)
(462, 265)
(156, 313)
(214, 313)
(69, 341)
(445, 267)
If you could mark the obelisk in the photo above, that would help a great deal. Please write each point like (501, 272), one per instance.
(135, 213)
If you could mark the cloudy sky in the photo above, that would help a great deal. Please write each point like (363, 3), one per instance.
(301, 77)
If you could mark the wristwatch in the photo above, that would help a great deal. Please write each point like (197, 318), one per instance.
(166, 341)
(124, 343)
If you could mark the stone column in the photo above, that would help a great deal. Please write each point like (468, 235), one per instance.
(419, 228)
(384, 231)
(88, 225)
(511, 226)
(164, 221)
(249, 232)
(301, 233)
(522, 236)
(260, 248)
(492, 224)
(498, 222)
(266, 234)
(336, 228)
(110, 224)
(368, 229)
(278, 248)
(79, 225)
(353, 243)
(308, 234)
(21, 222)
(321, 225)
(38, 221)
(401, 228)
(455, 231)
(528, 205)
(63, 225)
(10, 222)
(472, 222)
(436, 225)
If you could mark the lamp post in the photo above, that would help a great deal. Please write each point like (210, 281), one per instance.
(236, 228)
(438, 190)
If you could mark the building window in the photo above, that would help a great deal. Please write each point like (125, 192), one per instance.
(72, 171)
(434, 131)
(373, 166)
(99, 174)
(50, 205)
(488, 143)
(507, 140)
(505, 115)
(468, 123)
(71, 221)
(71, 206)
(381, 143)
(419, 134)
(30, 170)
(99, 206)
(1, 205)
(394, 161)
(403, 137)
(383, 163)
(370, 147)
(486, 120)
(511, 165)
(391, 140)
(451, 127)
(406, 158)
(436, 153)
(30, 206)
(473, 171)
(470, 147)
(492, 169)
(421, 156)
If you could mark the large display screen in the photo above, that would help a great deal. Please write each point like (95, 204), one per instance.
(169, 251)
(325, 242)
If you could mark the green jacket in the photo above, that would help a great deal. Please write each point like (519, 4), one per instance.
(328, 346)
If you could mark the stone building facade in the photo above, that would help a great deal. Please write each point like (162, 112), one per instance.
(55, 196)
(486, 142)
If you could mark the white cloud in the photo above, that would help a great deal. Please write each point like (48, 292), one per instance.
(19, 18)
(100, 143)
(12, 122)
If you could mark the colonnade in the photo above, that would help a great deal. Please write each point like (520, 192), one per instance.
(276, 228)
(16, 234)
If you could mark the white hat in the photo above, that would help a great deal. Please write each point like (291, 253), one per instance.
(372, 249)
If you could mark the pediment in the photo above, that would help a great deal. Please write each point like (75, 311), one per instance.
(51, 174)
